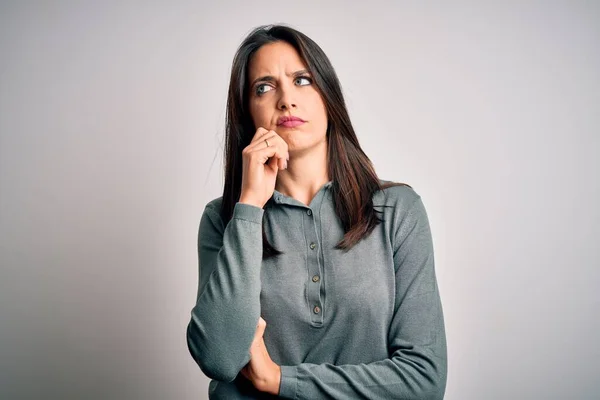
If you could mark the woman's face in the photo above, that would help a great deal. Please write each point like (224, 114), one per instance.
(281, 86)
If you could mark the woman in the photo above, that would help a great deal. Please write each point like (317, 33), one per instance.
(316, 277)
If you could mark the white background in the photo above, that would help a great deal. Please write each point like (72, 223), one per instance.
(111, 129)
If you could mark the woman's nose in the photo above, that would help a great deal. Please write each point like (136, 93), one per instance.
(285, 106)
(285, 100)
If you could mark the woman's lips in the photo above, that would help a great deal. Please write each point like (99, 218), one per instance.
(292, 123)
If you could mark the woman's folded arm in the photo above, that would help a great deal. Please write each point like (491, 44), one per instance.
(227, 310)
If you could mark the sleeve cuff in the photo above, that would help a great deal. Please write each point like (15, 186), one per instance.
(248, 212)
(289, 382)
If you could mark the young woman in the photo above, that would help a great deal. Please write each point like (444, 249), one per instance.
(316, 277)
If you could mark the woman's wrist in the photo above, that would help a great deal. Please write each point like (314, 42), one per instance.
(276, 381)
(251, 202)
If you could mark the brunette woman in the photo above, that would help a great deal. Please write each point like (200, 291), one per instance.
(317, 277)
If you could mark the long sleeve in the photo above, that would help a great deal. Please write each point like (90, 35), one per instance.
(417, 365)
(223, 321)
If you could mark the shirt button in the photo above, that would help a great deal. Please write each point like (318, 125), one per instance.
(309, 212)
(312, 246)
(316, 310)
(315, 278)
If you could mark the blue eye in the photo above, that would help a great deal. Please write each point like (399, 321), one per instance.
(258, 92)
(261, 92)
(305, 78)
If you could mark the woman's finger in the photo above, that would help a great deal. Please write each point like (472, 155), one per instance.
(272, 137)
(260, 328)
(274, 163)
(261, 144)
(276, 149)
(275, 141)
(281, 155)
(260, 132)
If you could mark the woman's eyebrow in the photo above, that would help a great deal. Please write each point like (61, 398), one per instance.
(269, 78)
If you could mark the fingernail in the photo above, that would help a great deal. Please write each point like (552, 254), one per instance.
(288, 157)
(285, 166)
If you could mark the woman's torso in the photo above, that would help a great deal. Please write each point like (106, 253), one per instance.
(323, 305)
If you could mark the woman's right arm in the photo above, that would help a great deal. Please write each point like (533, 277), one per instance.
(227, 310)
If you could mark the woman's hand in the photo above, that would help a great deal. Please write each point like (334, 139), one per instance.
(264, 374)
(260, 166)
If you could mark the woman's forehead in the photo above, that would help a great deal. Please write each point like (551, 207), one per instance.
(273, 58)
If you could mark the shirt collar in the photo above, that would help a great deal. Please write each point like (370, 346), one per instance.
(280, 198)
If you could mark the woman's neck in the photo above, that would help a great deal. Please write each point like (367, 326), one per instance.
(304, 176)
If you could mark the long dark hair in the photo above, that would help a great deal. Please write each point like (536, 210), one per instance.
(353, 177)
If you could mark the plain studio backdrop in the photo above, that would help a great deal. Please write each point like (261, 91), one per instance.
(112, 121)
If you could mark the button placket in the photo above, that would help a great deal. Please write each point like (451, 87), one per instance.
(313, 265)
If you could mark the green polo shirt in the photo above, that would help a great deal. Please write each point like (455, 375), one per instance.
(365, 323)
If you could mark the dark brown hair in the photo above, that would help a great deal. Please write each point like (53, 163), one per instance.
(353, 177)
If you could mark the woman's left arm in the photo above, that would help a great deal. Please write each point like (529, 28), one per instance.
(417, 366)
